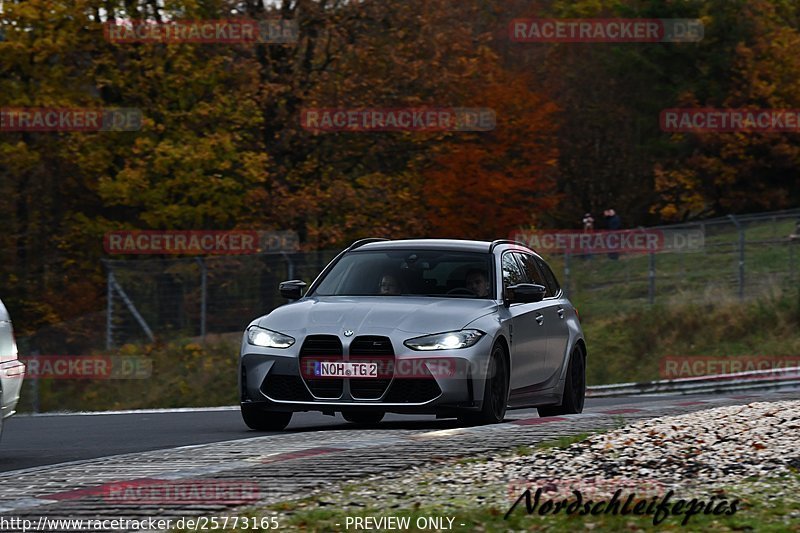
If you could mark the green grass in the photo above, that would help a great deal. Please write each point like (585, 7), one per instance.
(631, 344)
(468, 460)
(185, 373)
(563, 442)
(524, 450)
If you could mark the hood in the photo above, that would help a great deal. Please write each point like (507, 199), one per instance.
(376, 314)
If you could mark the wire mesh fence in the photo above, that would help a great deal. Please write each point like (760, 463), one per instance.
(198, 296)
(740, 257)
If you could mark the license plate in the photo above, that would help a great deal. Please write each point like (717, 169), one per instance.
(345, 370)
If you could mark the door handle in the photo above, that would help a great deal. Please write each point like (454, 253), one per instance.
(539, 318)
(560, 312)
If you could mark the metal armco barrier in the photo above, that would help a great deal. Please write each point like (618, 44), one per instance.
(757, 379)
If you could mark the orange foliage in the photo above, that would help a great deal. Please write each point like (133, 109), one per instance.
(485, 184)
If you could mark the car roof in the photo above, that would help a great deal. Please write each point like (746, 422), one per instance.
(434, 244)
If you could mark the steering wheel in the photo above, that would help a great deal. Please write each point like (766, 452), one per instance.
(461, 290)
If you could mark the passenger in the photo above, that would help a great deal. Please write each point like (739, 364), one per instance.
(478, 282)
(390, 285)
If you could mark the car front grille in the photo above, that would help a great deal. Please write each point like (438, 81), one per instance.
(372, 349)
(329, 348)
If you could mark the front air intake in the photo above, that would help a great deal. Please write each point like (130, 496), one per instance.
(372, 349)
(328, 348)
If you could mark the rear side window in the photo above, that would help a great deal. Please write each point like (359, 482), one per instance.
(552, 285)
(532, 271)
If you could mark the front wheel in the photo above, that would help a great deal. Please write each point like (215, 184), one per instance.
(574, 389)
(363, 418)
(495, 391)
(261, 420)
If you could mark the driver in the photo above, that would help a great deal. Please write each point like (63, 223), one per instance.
(478, 282)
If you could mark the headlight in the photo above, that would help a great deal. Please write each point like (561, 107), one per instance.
(268, 338)
(452, 340)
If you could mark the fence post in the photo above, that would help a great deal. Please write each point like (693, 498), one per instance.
(289, 265)
(566, 274)
(651, 277)
(203, 296)
(109, 308)
(740, 230)
(132, 308)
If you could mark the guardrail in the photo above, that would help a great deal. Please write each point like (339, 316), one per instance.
(756, 379)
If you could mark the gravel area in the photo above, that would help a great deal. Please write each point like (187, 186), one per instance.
(700, 453)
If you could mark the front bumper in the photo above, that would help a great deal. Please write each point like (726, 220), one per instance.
(441, 382)
(11, 374)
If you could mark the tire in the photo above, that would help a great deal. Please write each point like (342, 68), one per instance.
(363, 418)
(261, 420)
(574, 393)
(495, 392)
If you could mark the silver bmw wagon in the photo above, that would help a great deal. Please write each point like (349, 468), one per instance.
(454, 328)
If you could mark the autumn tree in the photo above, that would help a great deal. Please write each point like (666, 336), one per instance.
(485, 184)
(741, 171)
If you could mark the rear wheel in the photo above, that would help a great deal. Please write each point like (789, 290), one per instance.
(495, 391)
(262, 420)
(574, 389)
(363, 418)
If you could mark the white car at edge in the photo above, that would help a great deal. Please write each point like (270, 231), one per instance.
(12, 370)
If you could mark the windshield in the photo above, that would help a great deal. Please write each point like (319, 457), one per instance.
(410, 273)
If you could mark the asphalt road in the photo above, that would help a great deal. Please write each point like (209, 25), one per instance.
(30, 441)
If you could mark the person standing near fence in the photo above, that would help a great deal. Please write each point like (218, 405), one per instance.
(588, 222)
(588, 227)
(613, 223)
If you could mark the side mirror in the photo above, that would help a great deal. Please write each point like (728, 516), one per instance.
(292, 290)
(525, 293)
